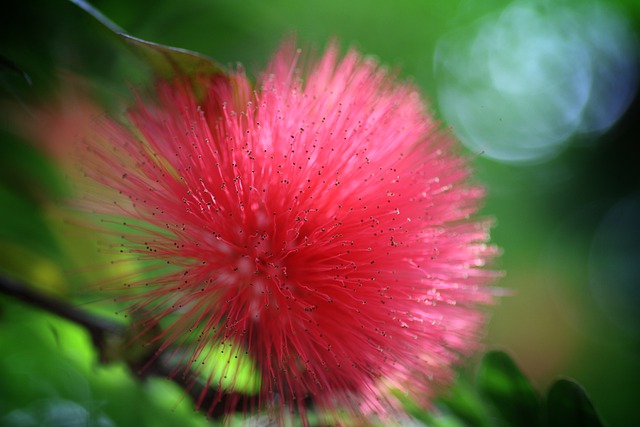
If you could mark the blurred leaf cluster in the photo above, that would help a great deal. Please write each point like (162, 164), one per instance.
(51, 378)
(501, 396)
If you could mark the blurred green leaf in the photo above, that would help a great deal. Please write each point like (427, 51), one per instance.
(568, 405)
(37, 271)
(23, 222)
(463, 401)
(28, 248)
(502, 384)
(166, 61)
(27, 170)
(413, 408)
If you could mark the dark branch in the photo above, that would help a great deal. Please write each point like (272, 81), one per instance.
(97, 326)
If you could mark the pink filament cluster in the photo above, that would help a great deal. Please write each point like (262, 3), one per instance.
(319, 222)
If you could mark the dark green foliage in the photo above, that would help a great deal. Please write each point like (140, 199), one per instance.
(503, 397)
(502, 385)
(568, 405)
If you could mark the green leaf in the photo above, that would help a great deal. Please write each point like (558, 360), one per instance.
(503, 385)
(568, 405)
(413, 408)
(463, 402)
(166, 61)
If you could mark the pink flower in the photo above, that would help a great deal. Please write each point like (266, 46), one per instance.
(319, 223)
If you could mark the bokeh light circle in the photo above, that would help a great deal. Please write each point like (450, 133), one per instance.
(519, 84)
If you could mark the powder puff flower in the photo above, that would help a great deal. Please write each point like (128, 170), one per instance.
(316, 226)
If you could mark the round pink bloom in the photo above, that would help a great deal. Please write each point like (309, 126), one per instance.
(319, 223)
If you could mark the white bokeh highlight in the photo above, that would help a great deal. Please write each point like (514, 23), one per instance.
(518, 85)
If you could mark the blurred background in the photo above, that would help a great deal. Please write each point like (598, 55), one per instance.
(543, 95)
